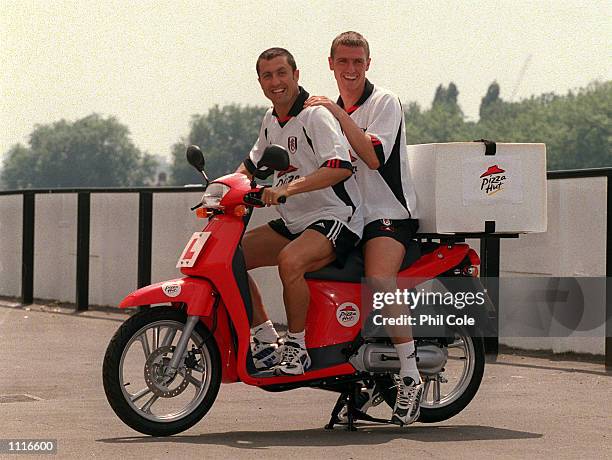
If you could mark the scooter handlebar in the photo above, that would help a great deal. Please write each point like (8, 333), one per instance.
(254, 197)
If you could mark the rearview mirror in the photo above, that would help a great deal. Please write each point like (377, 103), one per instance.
(195, 157)
(274, 157)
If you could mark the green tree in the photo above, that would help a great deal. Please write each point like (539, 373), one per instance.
(225, 135)
(19, 169)
(490, 101)
(447, 97)
(91, 152)
(576, 128)
(443, 122)
(582, 133)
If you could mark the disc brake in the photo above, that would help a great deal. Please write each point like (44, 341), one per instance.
(159, 376)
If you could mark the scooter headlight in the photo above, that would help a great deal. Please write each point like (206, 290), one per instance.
(214, 194)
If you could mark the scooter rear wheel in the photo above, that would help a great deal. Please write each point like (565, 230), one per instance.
(139, 385)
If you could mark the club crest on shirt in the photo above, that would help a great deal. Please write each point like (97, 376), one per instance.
(292, 144)
(387, 225)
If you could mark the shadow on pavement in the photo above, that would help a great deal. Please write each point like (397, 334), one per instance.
(366, 435)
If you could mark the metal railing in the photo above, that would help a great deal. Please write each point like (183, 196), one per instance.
(145, 224)
(489, 244)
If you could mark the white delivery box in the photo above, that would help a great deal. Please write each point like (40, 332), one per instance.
(470, 187)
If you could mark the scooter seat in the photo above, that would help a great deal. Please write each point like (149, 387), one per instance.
(353, 270)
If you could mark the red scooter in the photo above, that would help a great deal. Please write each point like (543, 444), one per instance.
(164, 365)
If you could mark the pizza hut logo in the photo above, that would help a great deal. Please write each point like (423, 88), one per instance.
(292, 144)
(290, 169)
(492, 180)
(171, 289)
(347, 314)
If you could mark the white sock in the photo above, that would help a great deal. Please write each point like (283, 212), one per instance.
(297, 337)
(265, 332)
(407, 358)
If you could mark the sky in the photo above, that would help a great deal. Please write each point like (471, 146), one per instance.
(154, 64)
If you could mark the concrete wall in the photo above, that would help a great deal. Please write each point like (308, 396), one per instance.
(113, 248)
(10, 244)
(575, 242)
(574, 245)
(173, 225)
(55, 246)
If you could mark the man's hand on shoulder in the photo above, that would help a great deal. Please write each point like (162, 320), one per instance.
(326, 102)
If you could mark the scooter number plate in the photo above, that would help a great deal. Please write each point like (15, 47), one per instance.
(192, 250)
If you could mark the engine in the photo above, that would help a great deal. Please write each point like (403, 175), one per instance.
(382, 358)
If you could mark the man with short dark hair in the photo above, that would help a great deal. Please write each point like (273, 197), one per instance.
(373, 122)
(320, 220)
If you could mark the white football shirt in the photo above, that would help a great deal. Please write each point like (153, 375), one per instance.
(388, 192)
(314, 139)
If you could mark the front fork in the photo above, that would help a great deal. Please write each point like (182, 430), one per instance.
(181, 346)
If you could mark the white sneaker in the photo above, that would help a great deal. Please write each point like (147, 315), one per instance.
(408, 401)
(265, 355)
(294, 361)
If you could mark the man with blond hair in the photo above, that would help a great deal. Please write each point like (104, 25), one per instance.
(373, 122)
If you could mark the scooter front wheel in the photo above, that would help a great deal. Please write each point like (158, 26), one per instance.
(141, 387)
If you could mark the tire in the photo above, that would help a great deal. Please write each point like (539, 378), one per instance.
(455, 402)
(121, 361)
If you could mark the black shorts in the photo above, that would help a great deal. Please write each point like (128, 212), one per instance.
(400, 230)
(341, 238)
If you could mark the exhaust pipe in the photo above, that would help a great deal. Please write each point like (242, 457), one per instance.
(381, 358)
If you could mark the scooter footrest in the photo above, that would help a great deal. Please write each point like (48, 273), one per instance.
(359, 415)
(368, 418)
(264, 373)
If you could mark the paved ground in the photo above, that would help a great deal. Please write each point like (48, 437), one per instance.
(527, 407)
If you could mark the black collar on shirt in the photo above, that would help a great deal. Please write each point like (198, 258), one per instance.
(367, 92)
(296, 108)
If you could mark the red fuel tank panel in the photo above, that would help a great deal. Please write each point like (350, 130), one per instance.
(334, 314)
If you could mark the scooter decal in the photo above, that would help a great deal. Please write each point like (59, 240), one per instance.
(347, 314)
(171, 289)
(192, 250)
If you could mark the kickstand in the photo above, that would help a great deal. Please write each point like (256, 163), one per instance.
(336, 411)
(350, 406)
(347, 399)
